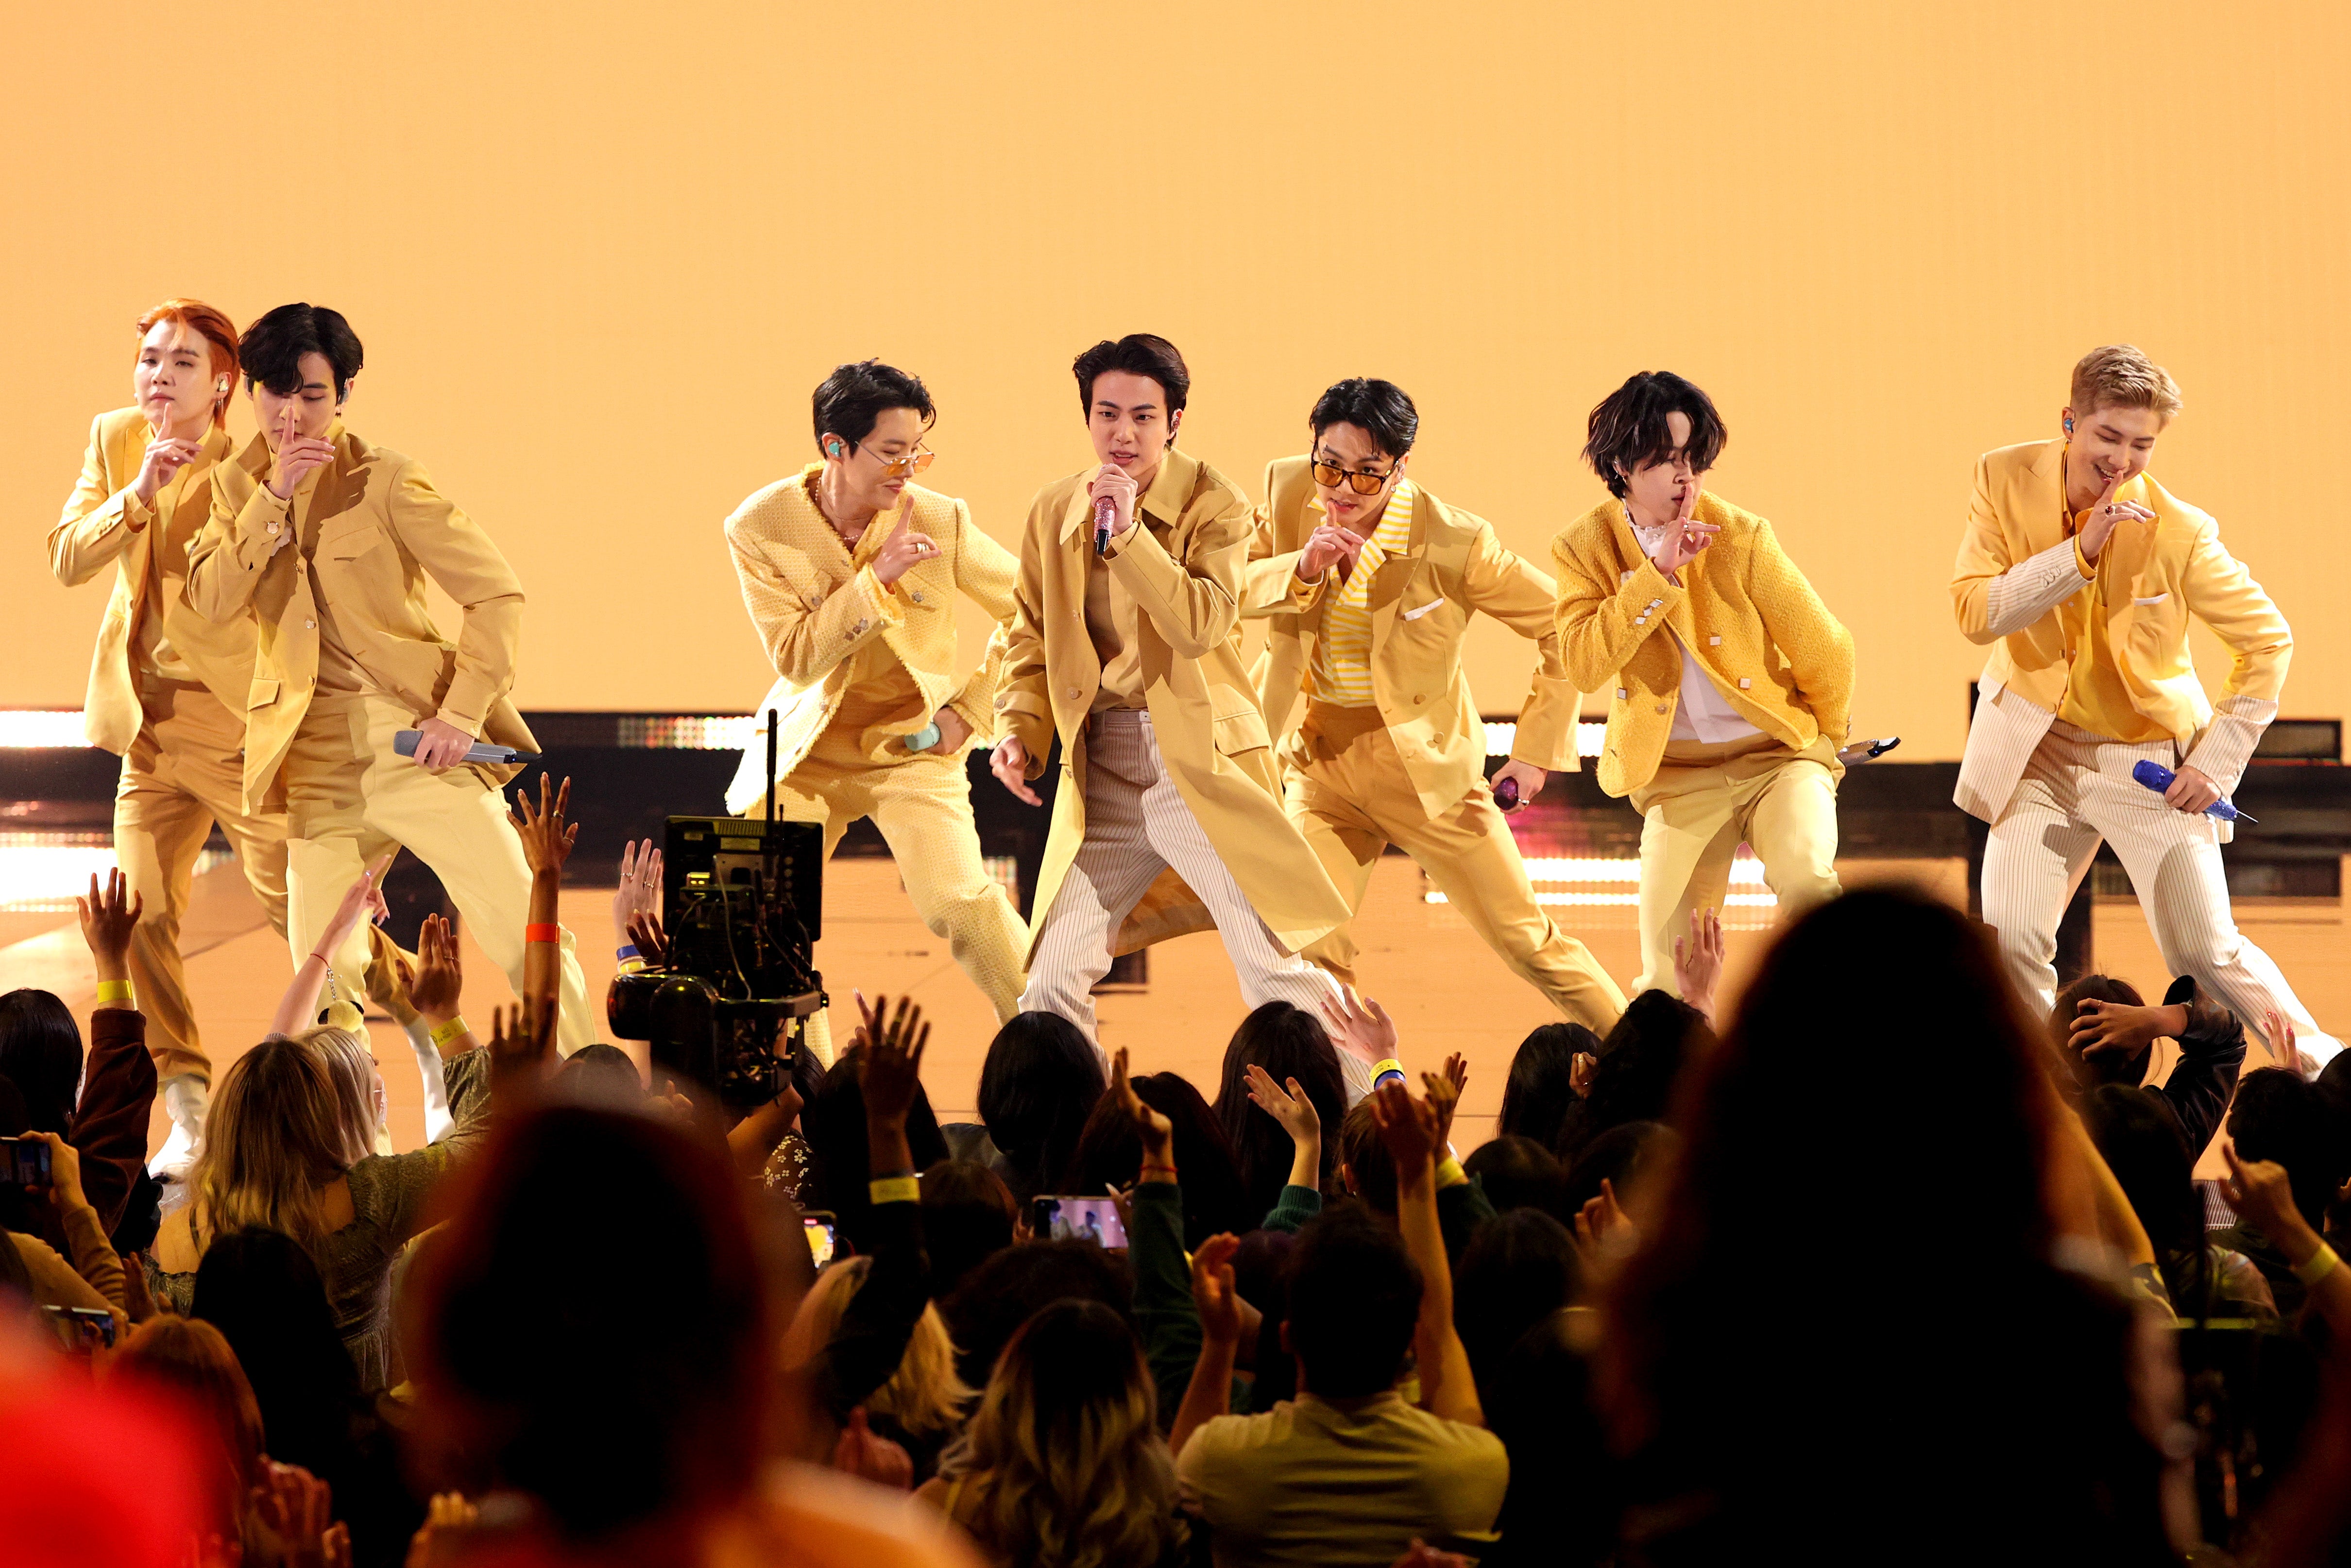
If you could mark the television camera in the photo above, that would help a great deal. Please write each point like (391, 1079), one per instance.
(742, 906)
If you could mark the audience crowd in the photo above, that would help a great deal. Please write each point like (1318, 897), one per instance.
(1875, 1265)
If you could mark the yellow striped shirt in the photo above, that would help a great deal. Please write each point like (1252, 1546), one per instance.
(1343, 653)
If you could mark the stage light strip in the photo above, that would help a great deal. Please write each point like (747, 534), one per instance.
(688, 732)
(1745, 871)
(41, 729)
(1628, 900)
(61, 728)
(1503, 733)
(48, 870)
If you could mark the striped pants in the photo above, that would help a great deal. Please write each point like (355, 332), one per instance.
(2076, 790)
(1138, 825)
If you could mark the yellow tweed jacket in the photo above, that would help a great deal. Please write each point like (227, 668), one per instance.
(1182, 561)
(1782, 661)
(1422, 599)
(2016, 566)
(104, 522)
(373, 529)
(815, 607)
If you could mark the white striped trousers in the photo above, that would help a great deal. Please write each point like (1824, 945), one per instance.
(1137, 825)
(2078, 789)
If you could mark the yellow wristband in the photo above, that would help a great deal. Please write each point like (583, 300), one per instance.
(1450, 1172)
(113, 991)
(2317, 1266)
(444, 1033)
(894, 1189)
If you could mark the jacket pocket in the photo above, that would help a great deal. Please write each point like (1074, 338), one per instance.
(1237, 726)
(2156, 599)
(261, 694)
(352, 543)
(1423, 610)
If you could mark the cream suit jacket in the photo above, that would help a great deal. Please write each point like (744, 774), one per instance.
(97, 528)
(814, 609)
(2016, 566)
(1421, 601)
(375, 528)
(1203, 708)
(1749, 617)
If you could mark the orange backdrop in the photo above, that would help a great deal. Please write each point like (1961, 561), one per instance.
(600, 252)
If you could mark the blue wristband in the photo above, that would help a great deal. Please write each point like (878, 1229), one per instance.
(925, 738)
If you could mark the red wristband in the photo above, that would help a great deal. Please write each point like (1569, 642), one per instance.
(547, 933)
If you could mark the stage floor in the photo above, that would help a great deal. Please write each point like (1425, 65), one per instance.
(1445, 991)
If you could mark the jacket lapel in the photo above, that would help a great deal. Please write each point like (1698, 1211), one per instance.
(131, 447)
(1071, 561)
(2042, 507)
(2132, 548)
(1396, 572)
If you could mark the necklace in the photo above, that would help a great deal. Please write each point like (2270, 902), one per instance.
(816, 498)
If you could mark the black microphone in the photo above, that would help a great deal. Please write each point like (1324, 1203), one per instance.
(1105, 509)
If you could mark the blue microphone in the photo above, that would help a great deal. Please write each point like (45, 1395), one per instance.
(2157, 777)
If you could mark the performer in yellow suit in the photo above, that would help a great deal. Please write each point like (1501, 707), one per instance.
(851, 571)
(1168, 818)
(2082, 573)
(167, 686)
(1729, 682)
(347, 655)
(1369, 582)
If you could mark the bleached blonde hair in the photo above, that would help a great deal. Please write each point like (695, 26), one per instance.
(923, 1396)
(2120, 375)
(273, 1140)
(1063, 1466)
(359, 1087)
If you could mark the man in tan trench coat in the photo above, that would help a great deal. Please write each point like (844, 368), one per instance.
(1168, 817)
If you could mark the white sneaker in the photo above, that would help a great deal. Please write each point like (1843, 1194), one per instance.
(186, 1099)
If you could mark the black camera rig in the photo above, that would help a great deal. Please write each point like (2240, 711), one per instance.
(742, 906)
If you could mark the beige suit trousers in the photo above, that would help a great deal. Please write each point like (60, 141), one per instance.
(1705, 799)
(184, 772)
(923, 806)
(1137, 825)
(1350, 795)
(2078, 789)
(350, 797)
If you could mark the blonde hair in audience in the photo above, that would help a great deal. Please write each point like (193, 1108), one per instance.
(2120, 375)
(923, 1396)
(359, 1088)
(1105, 1500)
(273, 1140)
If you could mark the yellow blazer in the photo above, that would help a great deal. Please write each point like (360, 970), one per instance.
(1204, 710)
(2016, 566)
(1421, 602)
(98, 528)
(374, 527)
(1750, 618)
(814, 608)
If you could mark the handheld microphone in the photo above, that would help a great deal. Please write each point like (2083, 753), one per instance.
(2157, 777)
(404, 742)
(1105, 512)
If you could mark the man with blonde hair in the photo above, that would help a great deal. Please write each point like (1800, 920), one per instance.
(2082, 573)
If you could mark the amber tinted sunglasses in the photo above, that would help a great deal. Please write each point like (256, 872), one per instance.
(1329, 474)
(913, 462)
